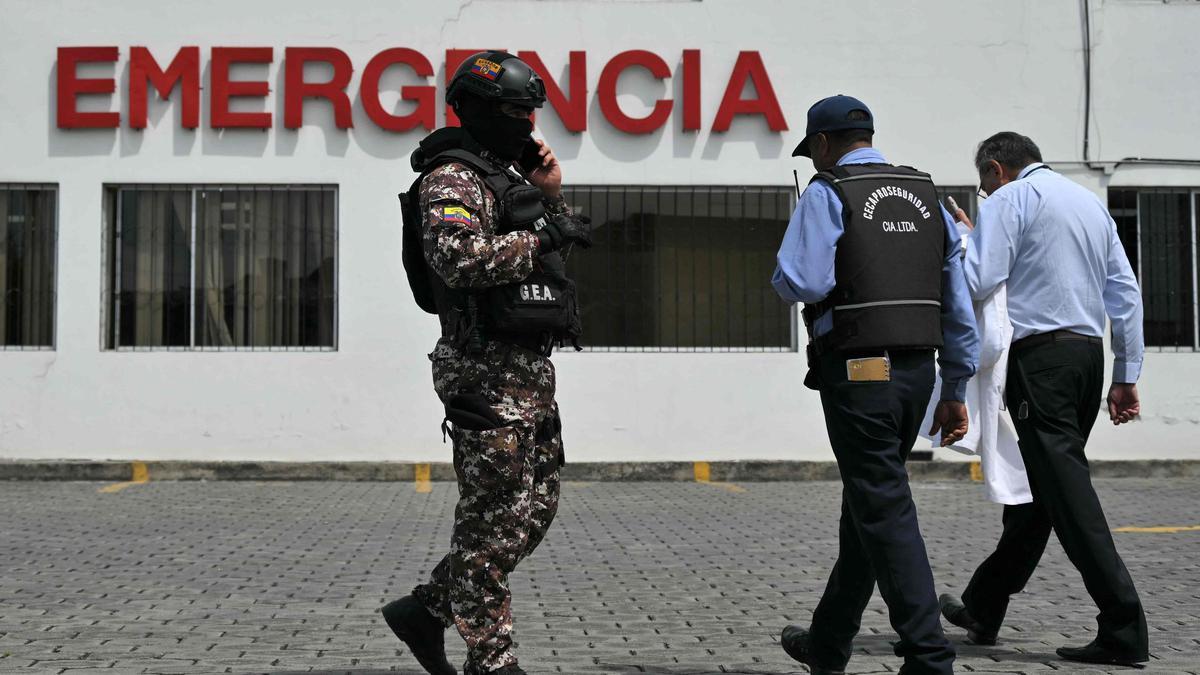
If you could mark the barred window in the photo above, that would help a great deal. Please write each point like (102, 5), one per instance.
(222, 267)
(27, 265)
(1157, 227)
(682, 268)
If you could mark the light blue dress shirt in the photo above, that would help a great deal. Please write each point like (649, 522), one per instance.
(1055, 245)
(805, 274)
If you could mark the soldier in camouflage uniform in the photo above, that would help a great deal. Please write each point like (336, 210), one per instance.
(508, 476)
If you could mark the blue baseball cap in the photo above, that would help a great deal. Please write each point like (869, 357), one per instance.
(832, 114)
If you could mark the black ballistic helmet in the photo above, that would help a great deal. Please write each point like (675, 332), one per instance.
(497, 77)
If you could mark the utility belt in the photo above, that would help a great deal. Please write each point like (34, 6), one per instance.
(1040, 339)
(819, 345)
(472, 412)
(863, 363)
(543, 344)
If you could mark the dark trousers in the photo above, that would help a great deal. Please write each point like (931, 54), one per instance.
(872, 427)
(1053, 396)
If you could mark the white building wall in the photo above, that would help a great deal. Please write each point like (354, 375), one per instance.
(940, 75)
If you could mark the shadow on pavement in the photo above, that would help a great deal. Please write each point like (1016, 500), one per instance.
(678, 670)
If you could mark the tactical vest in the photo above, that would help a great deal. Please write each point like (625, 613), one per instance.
(888, 264)
(534, 312)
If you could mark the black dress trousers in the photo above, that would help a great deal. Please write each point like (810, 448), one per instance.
(872, 427)
(1053, 394)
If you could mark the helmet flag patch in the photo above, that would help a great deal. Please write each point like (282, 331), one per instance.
(488, 70)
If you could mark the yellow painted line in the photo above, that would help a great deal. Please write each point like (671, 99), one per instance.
(701, 471)
(140, 476)
(977, 472)
(728, 487)
(1166, 529)
(115, 487)
(421, 478)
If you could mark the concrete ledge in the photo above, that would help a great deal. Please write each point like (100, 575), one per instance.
(739, 471)
(295, 471)
(64, 470)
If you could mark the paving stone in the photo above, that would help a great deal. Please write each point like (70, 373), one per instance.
(103, 671)
(56, 665)
(668, 578)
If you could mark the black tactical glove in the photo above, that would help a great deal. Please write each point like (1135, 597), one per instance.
(562, 229)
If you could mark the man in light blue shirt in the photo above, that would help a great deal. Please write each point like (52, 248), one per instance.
(877, 262)
(1055, 246)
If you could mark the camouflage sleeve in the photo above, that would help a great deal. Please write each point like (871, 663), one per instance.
(459, 237)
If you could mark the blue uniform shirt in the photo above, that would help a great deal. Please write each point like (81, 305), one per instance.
(1055, 245)
(805, 274)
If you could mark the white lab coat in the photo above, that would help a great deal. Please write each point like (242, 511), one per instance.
(989, 435)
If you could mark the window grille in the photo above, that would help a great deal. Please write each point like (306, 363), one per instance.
(682, 268)
(28, 252)
(1157, 227)
(222, 267)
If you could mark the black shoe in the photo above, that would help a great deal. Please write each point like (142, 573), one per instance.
(957, 614)
(421, 631)
(797, 642)
(1094, 652)
(513, 669)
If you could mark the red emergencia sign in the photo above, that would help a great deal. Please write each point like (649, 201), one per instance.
(568, 99)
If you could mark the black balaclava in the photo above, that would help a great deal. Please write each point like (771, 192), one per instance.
(503, 135)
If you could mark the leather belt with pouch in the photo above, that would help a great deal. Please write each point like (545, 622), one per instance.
(869, 369)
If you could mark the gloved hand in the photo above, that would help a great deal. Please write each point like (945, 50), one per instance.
(562, 229)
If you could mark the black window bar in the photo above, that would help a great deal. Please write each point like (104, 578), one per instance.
(683, 268)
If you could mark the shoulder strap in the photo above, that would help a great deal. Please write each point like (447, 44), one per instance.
(831, 175)
(886, 171)
(461, 156)
(497, 178)
(841, 173)
(911, 173)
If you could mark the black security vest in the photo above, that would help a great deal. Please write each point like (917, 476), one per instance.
(532, 312)
(888, 265)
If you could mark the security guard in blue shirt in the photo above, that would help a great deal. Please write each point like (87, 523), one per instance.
(876, 260)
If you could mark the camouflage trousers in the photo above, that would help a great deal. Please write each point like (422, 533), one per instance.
(508, 489)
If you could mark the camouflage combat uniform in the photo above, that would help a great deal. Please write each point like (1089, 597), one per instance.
(507, 477)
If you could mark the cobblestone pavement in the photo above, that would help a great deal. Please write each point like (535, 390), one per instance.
(668, 578)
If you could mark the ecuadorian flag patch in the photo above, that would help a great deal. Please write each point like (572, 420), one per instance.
(488, 70)
(456, 214)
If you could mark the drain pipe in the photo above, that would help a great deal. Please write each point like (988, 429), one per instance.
(1087, 77)
(1100, 165)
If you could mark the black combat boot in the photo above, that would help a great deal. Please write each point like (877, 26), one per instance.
(511, 669)
(421, 631)
(797, 642)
